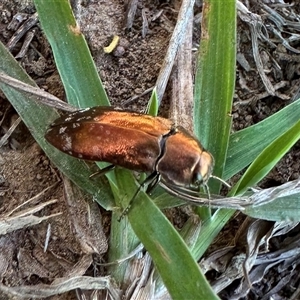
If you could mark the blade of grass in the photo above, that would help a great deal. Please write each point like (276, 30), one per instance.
(122, 241)
(245, 145)
(215, 79)
(179, 271)
(74, 62)
(214, 88)
(78, 72)
(262, 134)
(152, 107)
(84, 88)
(267, 160)
(210, 228)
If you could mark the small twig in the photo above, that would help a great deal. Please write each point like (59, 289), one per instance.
(259, 96)
(48, 234)
(135, 97)
(130, 13)
(145, 23)
(16, 21)
(255, 23)
(33, 210)
(6, 136)
(34, 198)
(133, 253)
(29, 36)
(29, 23)
(260, 68)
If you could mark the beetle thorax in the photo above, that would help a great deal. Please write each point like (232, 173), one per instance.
(184, 162)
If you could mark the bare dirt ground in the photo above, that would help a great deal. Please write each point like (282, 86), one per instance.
(26, 173)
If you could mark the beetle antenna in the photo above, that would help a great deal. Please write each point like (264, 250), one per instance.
(221, 180)
(206, 188)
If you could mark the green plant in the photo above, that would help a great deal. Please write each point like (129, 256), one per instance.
(214, 88)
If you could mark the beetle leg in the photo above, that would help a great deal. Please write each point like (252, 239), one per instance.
(103, 171)
(152, 180)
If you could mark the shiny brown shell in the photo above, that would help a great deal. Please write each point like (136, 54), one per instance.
(134, 141)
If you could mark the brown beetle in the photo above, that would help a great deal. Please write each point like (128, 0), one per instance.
(137, 142)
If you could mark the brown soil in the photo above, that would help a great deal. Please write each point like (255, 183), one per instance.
(25, 171)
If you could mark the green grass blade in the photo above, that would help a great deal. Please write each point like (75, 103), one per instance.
(214, 88)
(269, 157)
(121, 242)
(179, 271)
(153, 105)
(210, 229)
(72, 56)
(215, 79)
(245, 145)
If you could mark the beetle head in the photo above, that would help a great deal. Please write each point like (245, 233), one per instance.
(202, 171)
